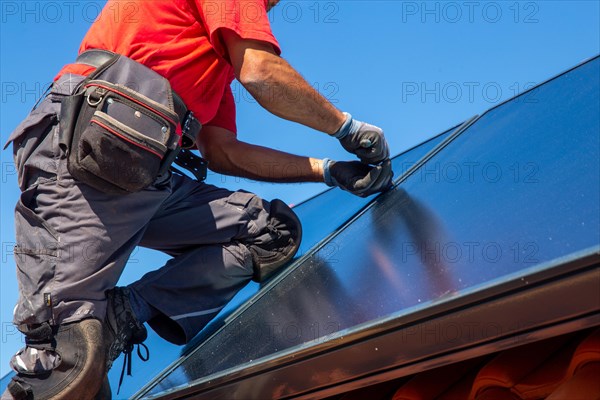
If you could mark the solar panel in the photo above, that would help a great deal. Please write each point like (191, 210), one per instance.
(512, 195)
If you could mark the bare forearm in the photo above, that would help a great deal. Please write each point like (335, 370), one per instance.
(264, 164)
(229, 156)
(280, 89)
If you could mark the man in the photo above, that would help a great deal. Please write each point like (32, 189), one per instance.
(74, 239)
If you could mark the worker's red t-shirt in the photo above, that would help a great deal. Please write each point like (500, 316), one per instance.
(181, 40)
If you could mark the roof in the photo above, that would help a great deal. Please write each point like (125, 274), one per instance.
(560, 367)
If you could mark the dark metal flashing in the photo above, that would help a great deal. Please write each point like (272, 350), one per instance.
(454, 357)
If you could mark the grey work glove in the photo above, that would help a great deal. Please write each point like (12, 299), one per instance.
(364, 140)
(358, 178)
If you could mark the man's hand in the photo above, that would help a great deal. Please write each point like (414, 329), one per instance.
(358, 178)
(364, 140)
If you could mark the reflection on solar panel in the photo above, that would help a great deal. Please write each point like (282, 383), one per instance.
(502, 214)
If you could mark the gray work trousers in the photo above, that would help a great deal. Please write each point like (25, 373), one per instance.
(73, 241)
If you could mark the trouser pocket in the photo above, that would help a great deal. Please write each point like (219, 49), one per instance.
(36, 256)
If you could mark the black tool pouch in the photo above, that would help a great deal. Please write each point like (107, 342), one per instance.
(120, 139)
(117, 139)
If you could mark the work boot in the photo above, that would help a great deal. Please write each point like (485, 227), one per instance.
(122, 329)
(277, 243)
(61, 362)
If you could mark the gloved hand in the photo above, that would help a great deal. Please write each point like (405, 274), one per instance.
(364, 140)
(357, 178)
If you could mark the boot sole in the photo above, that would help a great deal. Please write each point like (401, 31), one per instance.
(88, 381)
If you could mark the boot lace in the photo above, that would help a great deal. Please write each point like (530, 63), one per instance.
(128, 360)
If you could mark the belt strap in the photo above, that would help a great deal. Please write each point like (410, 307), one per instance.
(198, 166)
(190, 126)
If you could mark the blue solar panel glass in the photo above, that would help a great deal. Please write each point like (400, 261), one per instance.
(4, 381)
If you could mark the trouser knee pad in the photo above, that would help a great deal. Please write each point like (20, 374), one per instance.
(277, 243)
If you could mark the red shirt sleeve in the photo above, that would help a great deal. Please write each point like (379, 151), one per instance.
(247, 18)
(225, 117)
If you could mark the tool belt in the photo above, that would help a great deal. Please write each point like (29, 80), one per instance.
(124, 126)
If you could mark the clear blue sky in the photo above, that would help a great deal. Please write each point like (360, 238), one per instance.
(413, 68)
